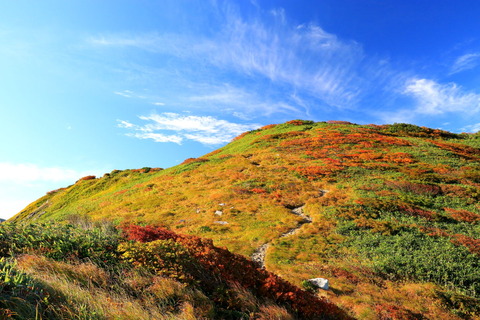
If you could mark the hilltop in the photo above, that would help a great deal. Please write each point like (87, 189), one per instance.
(389, 214)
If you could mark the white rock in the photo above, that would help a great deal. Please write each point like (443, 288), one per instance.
(320, 283)
(220, 222)
(218, 212)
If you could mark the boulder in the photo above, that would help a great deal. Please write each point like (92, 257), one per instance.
(218, 212)
(320, 283)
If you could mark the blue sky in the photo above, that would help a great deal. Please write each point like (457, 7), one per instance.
(91, 86)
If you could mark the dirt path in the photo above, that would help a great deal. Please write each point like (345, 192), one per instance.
(259, 255)
(306, 219)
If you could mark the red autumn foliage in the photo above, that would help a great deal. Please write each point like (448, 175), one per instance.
(234, 268)
(461, 150)
(417, 212)
(259, 190)
(455, 191)
(417, 188)
(339, 122)
(147, 233)
(341, 273)
(463, 215)
(298, 122)
(364, 148)
(472, 244)
(394, 312)
(434, 232)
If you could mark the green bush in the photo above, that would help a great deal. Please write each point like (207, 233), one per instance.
(417, 256)
(59, 242)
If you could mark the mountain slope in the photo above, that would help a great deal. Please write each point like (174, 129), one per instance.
(386, 213)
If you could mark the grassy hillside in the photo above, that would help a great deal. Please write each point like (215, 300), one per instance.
(389, 214)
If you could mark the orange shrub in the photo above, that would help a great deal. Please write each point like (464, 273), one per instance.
(194, 160)
(87, 178)
(241, 136)
(399, 157)
(268, 126)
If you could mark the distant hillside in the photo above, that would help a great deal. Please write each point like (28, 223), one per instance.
(389, 214)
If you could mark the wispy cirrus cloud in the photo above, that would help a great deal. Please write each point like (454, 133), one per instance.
(204, 129)
(465, 62)
(157, 137)
(433, 98)
(124, 93)
(276, 58)
(264, 65)
(472, 128)
(234, 98)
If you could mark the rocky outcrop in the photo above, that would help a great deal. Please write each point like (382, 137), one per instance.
(320, 283)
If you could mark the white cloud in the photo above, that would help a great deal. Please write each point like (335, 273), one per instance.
(30, 173)
(472, 128)
(434, 98)
(157, 137)
(125, 124)
(23, 183)
(9, 206)
(204, 129)
(125, 93)
(465, 62)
